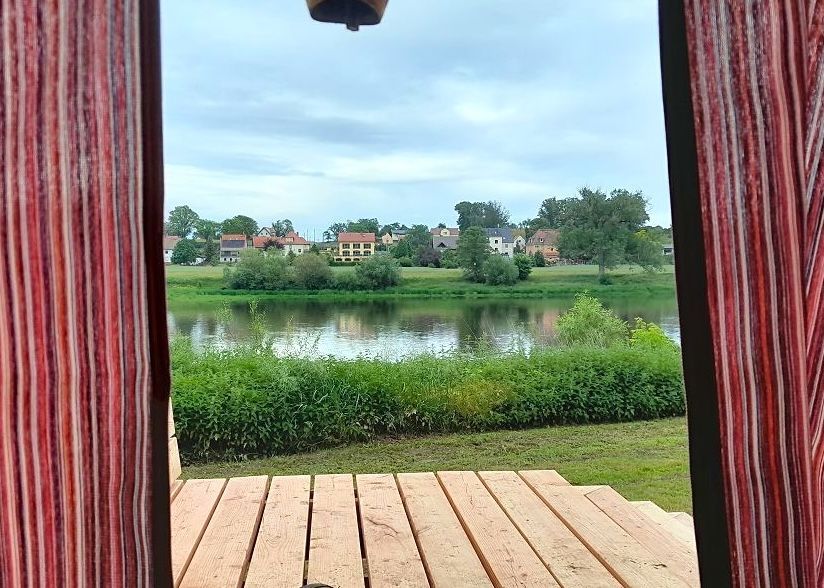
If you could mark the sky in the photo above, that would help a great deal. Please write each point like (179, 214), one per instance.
(270, 114)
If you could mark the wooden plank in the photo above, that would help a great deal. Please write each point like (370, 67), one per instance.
(551, 477)
(334, 546)
(682, 560)
(190, 513)
(171, 424)
(175, 489)
(587, 489)
(391, 554)
(280, 548)
(174, 460)
(663, 519)
(223, 553)
(506, 555)
(567, 558)
(447, 553)
(622, 554)
(683, 518)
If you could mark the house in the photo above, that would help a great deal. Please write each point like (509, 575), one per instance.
(169, 244)
(291, 243)
(504, 241)
(355, 246)
(399, 235)
(445, 238)
(667, 249)
(386, 239)
(545, 241)
(231, 246)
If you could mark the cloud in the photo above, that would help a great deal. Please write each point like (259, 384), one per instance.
(270, 114)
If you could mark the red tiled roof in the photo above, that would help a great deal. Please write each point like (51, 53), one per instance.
(549, 236)
(259, 242)
(226, 237)
(295, 239)
(356, 238)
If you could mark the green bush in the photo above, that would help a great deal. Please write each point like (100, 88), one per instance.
(449, 259)
(256, 271)
(499, 271)
(312, 272)
(247, 402)
(379, 271)
(540, 260)
(589, 323)
(405, 262)
(524, 263)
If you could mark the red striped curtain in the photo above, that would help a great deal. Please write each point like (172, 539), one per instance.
(757, 80)
(78, 225)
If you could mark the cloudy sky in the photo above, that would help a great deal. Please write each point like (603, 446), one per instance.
(270, 114)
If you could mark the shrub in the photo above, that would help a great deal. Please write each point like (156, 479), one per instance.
(186, 251)
(429, 257)
(256, 271)
(405, 262)
(248, 402)
(473, 251)
(650, 336)
(540, 260)
(500, 271)
(379, 271)
(589, 323)
(524, 263)
(449, 259)
(312, 272)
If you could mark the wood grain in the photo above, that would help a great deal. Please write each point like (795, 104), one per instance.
(190, 513)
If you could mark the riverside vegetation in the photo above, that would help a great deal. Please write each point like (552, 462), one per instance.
(246, 402)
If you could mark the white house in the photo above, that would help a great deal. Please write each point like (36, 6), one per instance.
(504, 241)
(169, 244)
(291, 243)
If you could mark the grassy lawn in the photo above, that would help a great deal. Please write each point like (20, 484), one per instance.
(421, 282)
(645, 460)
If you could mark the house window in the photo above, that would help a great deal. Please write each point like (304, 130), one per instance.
(367, 245)
(367, 253)
(356, 246)
(345, 245)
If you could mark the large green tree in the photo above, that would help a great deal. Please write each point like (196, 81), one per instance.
(473, 251)
(209, 232)
(551, 213)
(281, 227)
(182, 221)
(598, 227)
(335, 229)
(481, 214)
(363, 225)
(186, 251)
(240, 225)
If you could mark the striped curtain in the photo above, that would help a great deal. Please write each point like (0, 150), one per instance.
(76, 384)
(757, 81)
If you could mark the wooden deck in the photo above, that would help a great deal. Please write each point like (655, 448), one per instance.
(447, 530)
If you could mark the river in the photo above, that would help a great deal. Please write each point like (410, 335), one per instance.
(400, 327)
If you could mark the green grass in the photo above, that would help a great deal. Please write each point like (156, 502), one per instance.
(205, 283)
(644, 460)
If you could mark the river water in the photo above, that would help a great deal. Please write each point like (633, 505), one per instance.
(399, 328)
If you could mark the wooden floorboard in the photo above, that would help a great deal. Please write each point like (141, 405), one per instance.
(680, 558)
(562, 552)
(666, 522)
(507, 557)
(446, 551)
(190, 513)
(280, 549)
(173, 492)
(626, 558)
(391, 553)
(334, 546)
(221, 557)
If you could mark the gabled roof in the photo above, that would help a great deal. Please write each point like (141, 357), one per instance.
(505, 233)
(232, 237)
(453, 231)
(169, 242)
(260, 241)
(356, 238)
(295, 239)
(549, 236)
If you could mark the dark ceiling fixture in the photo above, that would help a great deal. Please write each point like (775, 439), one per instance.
(352, 13)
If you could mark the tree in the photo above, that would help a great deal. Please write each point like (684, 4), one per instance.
(391, 228)
(429, 257)
(335, 229)
(209, 232)
(473, 251)
(312, 272)
(402, 248)
(481, 214)
(598, 227)
(552, 212)
(500, 271)
(239, 225)
(272, 243)
(379, 271)
(645, 250)
(363, 225)
(417, 239)
(524, 263)
(182, 221)
(185, 252)
(540, 260)
(282, 227)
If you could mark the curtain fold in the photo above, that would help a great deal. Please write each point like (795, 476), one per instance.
(756, 81)
(76, 482)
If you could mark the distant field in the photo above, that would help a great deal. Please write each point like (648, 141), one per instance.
(201, 283)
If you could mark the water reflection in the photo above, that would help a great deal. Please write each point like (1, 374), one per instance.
(397, 328)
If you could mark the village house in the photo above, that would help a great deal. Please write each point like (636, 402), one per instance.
(386, 239)
(504, 241)
(545, 241)
(445, 238)
(399, 235)
(355, 246)
(169, 244)
(231, 246)
(291, 243)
